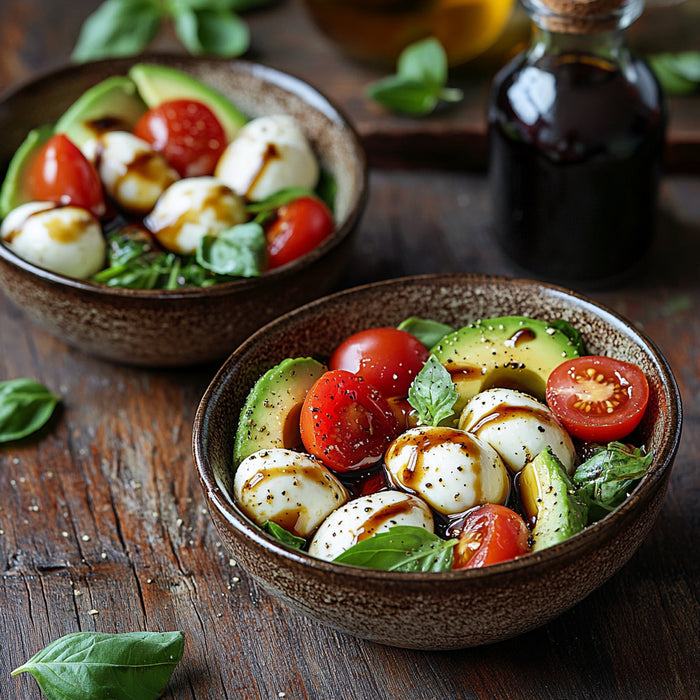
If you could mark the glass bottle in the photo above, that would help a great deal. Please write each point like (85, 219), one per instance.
(577, 126)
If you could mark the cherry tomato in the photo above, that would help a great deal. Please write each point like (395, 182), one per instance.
(346, 422)
(187, 133)
(489, 534)
(298, 228)
(61, 173)
(598, 398)
(386, 357)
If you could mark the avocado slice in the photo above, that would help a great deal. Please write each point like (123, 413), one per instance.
(513, 352)
(113, 104)
(14, 187)
(270, 416)
(159, 84)
(547, 494)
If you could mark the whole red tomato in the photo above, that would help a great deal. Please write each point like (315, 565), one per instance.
(386, 357)
(187, 133)
(346, 422)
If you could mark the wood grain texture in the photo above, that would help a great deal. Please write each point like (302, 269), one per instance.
(101, 518)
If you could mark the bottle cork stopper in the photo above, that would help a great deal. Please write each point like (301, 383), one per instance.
(582, 16)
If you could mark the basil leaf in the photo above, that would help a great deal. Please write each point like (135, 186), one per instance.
(95, 666)
(284, 536)
(327, 189)
(573, 334)
(605, 479)
(678, 73)
(216, 32)
(419, 83)
(401, 548)
(118, 28)
(406, 95)
(424, 61)
(429, 332)
(237, 251)
(432, 393)
(25, 406)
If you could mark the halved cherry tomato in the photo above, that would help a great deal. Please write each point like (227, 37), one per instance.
(346, 422)
(489, 534)
(187, 133)
(598, 398)
(298, 228)
(386, 357)
(61, 173)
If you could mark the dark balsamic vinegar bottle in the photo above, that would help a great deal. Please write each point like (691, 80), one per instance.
(577, 127)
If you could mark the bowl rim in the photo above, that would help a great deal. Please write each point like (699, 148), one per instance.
(571, 547)
(289, 82)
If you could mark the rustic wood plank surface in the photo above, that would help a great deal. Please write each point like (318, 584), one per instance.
(102, 524)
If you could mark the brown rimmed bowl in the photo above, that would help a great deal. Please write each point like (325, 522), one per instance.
(454, 609)
(186, 326)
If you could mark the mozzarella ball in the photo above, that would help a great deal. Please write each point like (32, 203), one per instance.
(67, 240)
(449, 468)
(517, 426)
(132, 173)
(268, 154)
(193, 208)
(365, 516)
(287, 488)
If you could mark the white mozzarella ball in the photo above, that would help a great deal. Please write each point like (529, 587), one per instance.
(67, 240)
(193, 208)
(287, 488)
(268, 154)
(450, 469)
(365, 516)
(132, 173)
(517, 426)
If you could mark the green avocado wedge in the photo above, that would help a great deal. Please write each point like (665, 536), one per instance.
(548, 495)
(112, 104)
(514, 352)
(14, 191)
(158, 84)
(270, 416)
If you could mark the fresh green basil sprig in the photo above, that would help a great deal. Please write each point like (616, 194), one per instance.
(95, 666)
(25, 406)
(420, 83)
(428, 331)
(126, 27)
(432, 393)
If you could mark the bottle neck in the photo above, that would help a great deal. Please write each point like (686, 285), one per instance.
(583, 18)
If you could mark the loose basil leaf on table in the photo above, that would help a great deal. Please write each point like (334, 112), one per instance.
(678, 73)
(25, 406)
(95, 666)
(432, 393)
(420, 81)
(401, 548)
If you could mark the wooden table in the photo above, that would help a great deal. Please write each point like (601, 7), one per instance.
(102, 523)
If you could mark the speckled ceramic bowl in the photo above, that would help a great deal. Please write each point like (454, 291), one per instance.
(181, 327)
(434, 610)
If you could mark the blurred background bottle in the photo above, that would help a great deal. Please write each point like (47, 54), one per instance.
(377, 31)
(577, 126)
